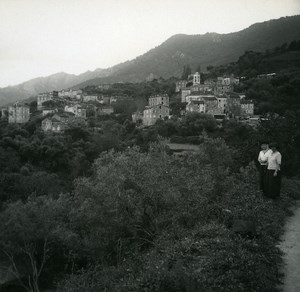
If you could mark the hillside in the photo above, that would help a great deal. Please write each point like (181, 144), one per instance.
(56, 81)
(284, 59)
(169, 58)
(270, 95)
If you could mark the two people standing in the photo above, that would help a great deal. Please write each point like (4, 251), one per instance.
(269, 159)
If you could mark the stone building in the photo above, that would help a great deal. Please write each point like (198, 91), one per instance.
(225, 84)
(137, 116)
(104, 86)
(197, 96)
(193, 96)
(59, 122)
(201, 88)
(153, 113)
(234, 80)
(185, 92)
(47, 111)
(247, 107)
(41, 98)
(180, 85)
(53, 125)
(4, 113)
(222, 104)
(76, 109)
(113, 99)
(158, 108)
(162, 99)
(210, 102)
(73, 94)
(211, 105)
(197, 106)
(65, 117)
(222, 89)
(105, 110)
(228, 80)
(87, 98)
(266, 76)
(237, 106)
(18, 114)
(223, 81)
(196, 78)
(104, 99)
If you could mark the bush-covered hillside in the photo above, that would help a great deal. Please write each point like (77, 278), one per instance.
(149, 222)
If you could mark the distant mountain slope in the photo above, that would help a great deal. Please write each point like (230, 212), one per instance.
(283, 60)
(169, 58)
(56, 81)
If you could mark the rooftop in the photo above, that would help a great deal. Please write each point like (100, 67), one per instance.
(211, 97)
(159, 95)
(197, 102)
(65, 114)
(245, 101)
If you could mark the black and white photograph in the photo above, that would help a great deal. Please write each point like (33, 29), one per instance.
(149, 146)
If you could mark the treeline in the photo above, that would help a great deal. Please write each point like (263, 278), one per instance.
(32, 161)
(243, 139)
(47, 163)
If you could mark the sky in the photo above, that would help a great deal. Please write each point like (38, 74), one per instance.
(43, 37)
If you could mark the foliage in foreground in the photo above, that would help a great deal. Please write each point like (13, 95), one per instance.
(151, 222)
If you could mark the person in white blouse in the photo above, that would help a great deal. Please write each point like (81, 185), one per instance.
(263, 163)
(273, 185)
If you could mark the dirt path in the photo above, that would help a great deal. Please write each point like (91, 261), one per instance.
(290, 245)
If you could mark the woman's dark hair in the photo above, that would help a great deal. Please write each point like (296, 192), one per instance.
(275, 145)
(264, 143)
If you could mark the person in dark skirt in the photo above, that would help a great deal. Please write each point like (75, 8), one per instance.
(263, 163)
(273, 180)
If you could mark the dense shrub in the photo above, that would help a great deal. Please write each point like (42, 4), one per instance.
(169, 224)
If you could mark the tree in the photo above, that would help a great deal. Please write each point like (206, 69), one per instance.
(210, 67)
(27, 233)
(176, 106)
(186, 72)
(33, 106)
(194, 124)
(78, 132)
(294, 45)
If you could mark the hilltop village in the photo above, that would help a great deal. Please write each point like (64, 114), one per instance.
(64, 108)
(214, 97)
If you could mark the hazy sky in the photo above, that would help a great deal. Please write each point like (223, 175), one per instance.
(42, 37)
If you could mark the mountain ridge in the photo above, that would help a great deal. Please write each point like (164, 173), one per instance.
(205, 49)
(56, 81)
(168, 58)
